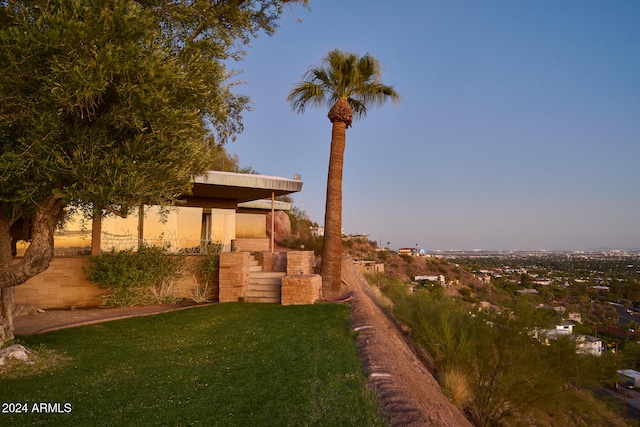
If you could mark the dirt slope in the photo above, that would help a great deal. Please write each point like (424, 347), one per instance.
(409, 393)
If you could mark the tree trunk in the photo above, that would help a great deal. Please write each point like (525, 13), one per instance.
(6, 315)
(35, 260)
(331, 268)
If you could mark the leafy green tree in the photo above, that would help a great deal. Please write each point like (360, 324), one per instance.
(348, 85)
(107, 104)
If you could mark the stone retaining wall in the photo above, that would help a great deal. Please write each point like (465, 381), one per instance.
(272, 261)
(299, 262)
(234, 275)
(302, 289)
(64, 285)
(250, 245)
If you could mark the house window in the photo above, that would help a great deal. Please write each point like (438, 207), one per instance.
(179, 229)
(74, 237)
(119, 234)
(218, 226)
(251, 226)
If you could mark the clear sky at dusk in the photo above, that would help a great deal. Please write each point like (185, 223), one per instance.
(519, 126)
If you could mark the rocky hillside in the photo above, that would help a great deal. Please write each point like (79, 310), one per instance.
(406, 267)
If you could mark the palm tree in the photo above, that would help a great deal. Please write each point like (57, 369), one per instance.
(348, 84)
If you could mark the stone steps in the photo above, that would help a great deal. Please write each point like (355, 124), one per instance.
(264, 287)
(254, 265)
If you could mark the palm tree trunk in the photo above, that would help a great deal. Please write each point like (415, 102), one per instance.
(331, 268)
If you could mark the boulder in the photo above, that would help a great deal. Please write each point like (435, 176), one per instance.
(282, 226)
(15, 351)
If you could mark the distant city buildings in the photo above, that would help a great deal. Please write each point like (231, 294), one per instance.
(411, 251)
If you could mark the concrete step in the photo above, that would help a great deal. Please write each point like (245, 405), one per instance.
(269, 275)
(266, 300)
(254, 265)
(264, 287)
(275, 281)
(271, 288)
(263, 293)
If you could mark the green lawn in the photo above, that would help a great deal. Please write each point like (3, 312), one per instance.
(224, 364)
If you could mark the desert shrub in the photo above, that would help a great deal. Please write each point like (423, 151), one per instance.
(143, 277)
(493, 368)
(455, 386)
(387, 289)
(310, 243)
(205, 288)
(409, 271)
(407, 258)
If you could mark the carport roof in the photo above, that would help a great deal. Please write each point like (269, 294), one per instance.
(242, 187)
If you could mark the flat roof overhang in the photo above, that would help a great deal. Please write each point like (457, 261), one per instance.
(242, 187)
(264, 204)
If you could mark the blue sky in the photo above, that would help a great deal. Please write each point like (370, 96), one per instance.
(519, 126)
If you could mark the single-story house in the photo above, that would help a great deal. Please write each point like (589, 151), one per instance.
(224, 208)
(368, 267)
(575, 317)
(565, 327)
(588, 344)
(231, 209)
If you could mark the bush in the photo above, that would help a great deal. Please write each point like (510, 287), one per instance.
(206, 270)
(407, 258)
(455, 386)
(143, 277)
(311, 243)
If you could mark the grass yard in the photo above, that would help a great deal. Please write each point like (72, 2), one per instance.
(224, 364)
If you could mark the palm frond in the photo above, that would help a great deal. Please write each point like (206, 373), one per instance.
(342, 75)
(306, 93)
